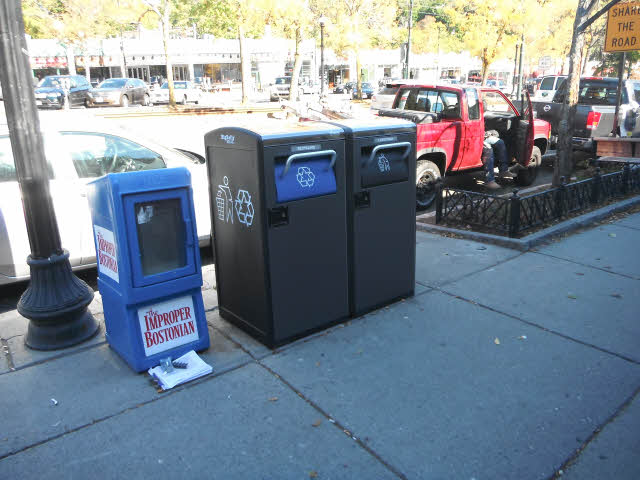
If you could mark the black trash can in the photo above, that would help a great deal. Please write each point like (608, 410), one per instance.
(278, 209)
(381, 211)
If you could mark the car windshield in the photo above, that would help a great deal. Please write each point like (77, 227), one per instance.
(52, 82)
(597, 92)
(283, 80)
(113, 83)
(389, 90)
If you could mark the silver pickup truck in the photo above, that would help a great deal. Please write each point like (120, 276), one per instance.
(596, 110)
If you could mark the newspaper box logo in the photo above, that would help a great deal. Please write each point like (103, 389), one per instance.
(107, 255)
(167, 325)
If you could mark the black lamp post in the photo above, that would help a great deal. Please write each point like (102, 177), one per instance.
(323, 21)
(56, 300)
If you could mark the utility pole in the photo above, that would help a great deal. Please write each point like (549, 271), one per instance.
(56, 300)
(515, 69)
(407, 68)
(519, 91)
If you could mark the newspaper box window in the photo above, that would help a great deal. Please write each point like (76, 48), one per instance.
(149, 272)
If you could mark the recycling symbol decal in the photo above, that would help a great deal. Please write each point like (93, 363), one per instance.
(244, 208)
(383, 164)
(306, 178)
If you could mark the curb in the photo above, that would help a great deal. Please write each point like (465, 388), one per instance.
(165, 111)
(530, 241)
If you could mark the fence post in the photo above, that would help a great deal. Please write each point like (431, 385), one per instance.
(439, 200)
(561, 198)
(596, 190)
(626, 177)
(514, 214)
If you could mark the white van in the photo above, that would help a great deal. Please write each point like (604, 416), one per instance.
(548, 87)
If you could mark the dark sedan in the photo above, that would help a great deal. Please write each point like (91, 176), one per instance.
(62, 91)
(120, 91)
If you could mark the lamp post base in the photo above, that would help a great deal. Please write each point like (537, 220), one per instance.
(56, 304)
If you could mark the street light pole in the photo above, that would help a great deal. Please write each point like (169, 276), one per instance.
(323, 21)
(56, 300)
(408, 70)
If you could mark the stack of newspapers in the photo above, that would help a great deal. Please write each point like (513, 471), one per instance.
(193, 367)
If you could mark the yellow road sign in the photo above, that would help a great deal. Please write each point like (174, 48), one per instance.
(623, 28)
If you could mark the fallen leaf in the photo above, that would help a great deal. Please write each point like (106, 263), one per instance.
(313, 474)
(317, 364)
(317, 423)
(572, 297)
(616, 295)
(612, 235)
(273, 399)
(522, 337)
(496, 341)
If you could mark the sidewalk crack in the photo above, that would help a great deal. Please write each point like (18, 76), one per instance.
(545, 329)
(586, 265)
(573, 458)
(335, 422)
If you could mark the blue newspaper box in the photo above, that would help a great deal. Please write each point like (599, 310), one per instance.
(149, 272)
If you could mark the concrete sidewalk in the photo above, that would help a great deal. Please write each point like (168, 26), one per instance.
(505, 365)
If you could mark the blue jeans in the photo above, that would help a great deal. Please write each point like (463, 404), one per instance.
(494, 148)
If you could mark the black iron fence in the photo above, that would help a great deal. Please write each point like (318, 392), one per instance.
(514, 214)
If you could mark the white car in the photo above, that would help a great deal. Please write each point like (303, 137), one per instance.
(183, 91)
(548, 87)
(75, 156)
(385, 96)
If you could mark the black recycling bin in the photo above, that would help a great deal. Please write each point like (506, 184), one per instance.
(278, 208)
(381, 211)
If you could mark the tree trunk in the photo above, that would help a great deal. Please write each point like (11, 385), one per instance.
(485, 67)
(71, 59)
(165, 42)
(297, 64)
(358, 76)
(564, 161)
(245, 68)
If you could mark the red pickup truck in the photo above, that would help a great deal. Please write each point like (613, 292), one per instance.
(451, 122)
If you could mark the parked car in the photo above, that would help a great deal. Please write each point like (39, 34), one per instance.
(385, 96)
(596, 110)
(451, 121)
(367, 90)
(349, 86)
(499, 84)
(280, 88)
(184, 92)
(548, 87)
(339, 88)
(53, 91)
(77, 154)
(120, 91)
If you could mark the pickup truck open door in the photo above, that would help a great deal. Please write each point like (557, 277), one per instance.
(526, 118)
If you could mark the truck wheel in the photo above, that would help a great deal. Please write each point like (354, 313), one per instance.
(527, 176)
(427, 174)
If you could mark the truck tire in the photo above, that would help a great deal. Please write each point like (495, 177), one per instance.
(427, 174)
(526, 176)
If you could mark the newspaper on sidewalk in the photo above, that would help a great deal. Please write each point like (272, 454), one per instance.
(193, 367)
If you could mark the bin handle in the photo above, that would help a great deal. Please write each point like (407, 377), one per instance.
(387, 146)
(298, 156)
